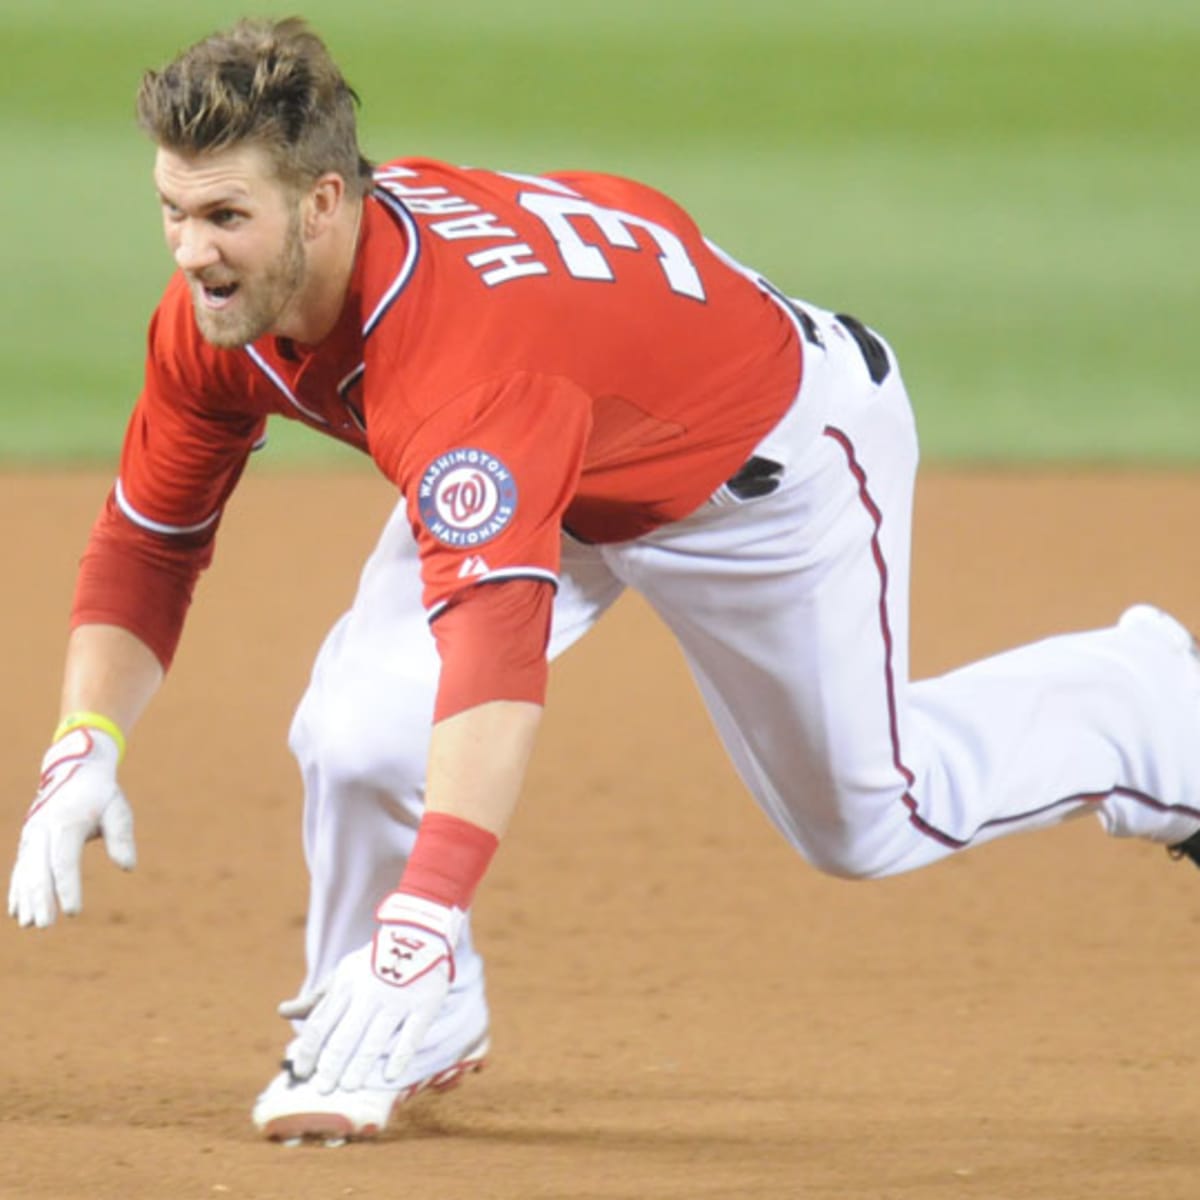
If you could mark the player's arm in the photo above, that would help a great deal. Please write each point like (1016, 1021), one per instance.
(149, 544)
(131, 597)
(111, 671)
(132, 593)
(477, 762)
(492, 643)
(493, 649)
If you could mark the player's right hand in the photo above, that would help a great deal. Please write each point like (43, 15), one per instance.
(381, 998)
(78, 799)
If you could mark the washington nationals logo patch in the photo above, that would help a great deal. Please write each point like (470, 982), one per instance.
(466, 497)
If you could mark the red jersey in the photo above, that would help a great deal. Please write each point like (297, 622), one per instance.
(518, 354)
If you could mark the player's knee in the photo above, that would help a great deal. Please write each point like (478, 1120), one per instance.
(843, 861)
(847, 831)
(350, 742)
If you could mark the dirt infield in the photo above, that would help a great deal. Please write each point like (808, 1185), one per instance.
(683, 1010)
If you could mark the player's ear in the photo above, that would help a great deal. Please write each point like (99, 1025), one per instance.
(323, 203)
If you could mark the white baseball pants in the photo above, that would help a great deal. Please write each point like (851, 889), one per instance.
(792, 611)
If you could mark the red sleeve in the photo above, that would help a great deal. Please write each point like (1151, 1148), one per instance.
(185, 448)
(138, 581)
(492, 639)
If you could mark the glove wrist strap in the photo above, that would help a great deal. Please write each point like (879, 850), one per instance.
(91, 720)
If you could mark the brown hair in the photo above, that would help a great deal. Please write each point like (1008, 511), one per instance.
(270, 84)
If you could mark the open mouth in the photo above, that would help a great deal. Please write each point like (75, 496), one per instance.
(218, 296)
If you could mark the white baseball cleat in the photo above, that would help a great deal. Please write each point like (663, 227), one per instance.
(293, 1112)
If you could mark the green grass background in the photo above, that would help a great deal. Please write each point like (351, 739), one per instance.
(1007, 188)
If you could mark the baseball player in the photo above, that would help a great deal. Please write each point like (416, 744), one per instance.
(574, 392)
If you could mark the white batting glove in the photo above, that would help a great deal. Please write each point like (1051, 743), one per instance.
(299, 1006)
(397, 981)
(78, 799)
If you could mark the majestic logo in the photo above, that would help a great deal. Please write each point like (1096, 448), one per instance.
(466, 497)
(474, 566)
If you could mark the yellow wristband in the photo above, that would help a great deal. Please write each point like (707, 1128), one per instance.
(91, 720)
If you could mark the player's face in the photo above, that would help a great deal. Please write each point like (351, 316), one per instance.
(235, 232)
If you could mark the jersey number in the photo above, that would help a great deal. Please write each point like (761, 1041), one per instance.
(587, 261)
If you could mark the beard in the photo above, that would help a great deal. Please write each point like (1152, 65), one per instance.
(259, 301)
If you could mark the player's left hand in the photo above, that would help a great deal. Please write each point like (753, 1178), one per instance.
(397, 981)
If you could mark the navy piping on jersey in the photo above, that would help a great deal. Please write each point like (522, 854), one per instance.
(404, 218)
(351, 379)
(344, 389)
(501, 576)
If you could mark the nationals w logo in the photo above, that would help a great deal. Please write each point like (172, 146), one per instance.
(466, 497)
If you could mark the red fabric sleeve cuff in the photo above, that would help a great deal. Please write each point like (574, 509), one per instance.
(449, 860)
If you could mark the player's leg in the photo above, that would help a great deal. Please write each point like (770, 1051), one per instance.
(792, 611)
(360, 736)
